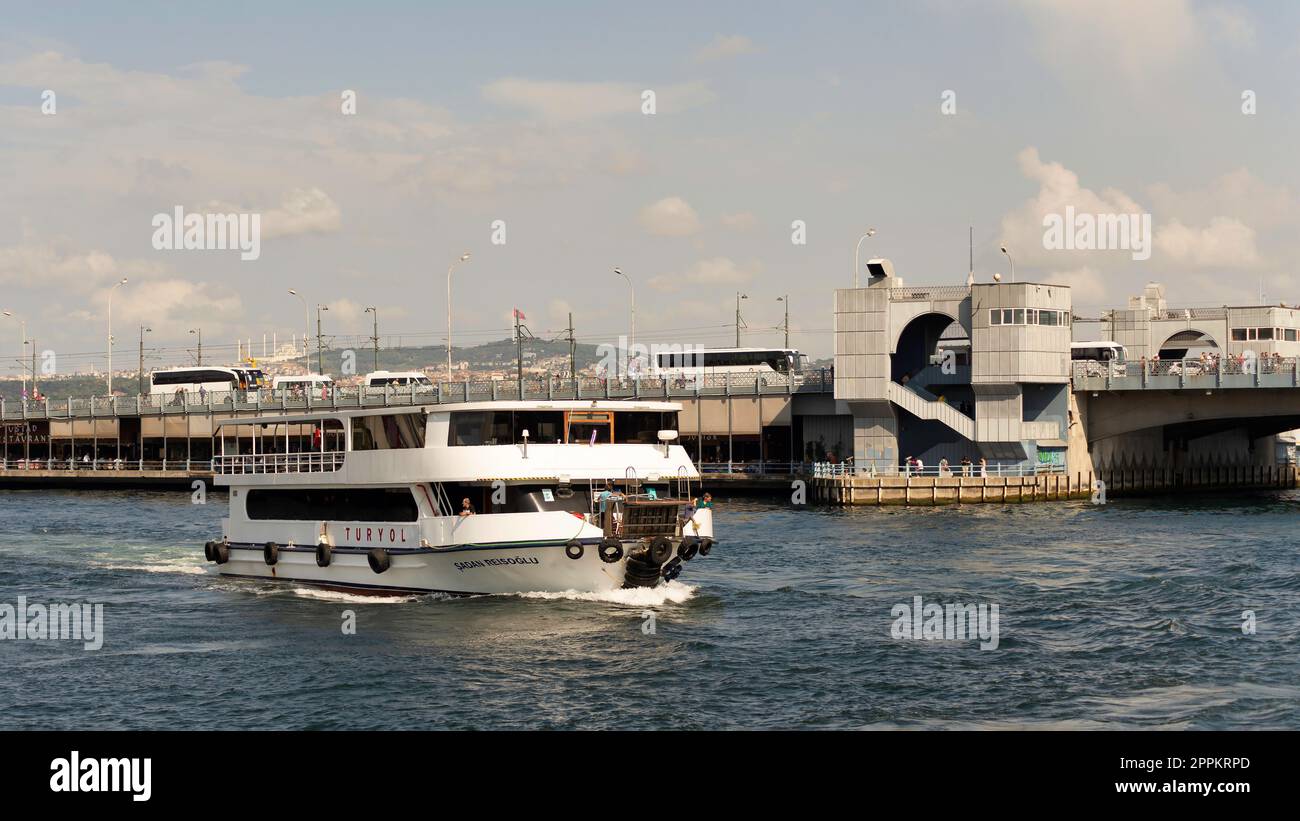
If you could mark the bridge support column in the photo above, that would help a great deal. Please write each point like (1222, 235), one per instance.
(875, 436)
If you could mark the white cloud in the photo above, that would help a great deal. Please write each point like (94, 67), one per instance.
(1086, 285)
(561, 101)
(714, 271)
(1225, 242)
(670, 217)
(1138, 41)
(742, 221)
(302, 211)
(1238, 193)
(49, 264)
(1191, 229)
(726, 46)
(1230, 25)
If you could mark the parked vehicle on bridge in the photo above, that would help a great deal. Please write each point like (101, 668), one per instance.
(1102, 356)
(192, 381)
(720, 361)
(311, 383)
(377, 381)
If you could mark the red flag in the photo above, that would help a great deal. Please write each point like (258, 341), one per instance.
(519, 314)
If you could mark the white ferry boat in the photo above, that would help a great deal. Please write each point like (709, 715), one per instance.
(470, 498)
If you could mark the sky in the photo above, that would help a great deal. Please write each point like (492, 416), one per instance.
(918, 119)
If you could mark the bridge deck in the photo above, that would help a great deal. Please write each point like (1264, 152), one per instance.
(445, 393)
(1190, 374)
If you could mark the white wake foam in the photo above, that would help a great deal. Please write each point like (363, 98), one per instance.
(348, 598)
(673, 592)
(185, 567)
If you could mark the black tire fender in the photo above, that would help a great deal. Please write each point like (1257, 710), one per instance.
(270, 553)
(688, 547)
(220, 552)
(574, 549)
(671, 570)
(706, 546)
(207, 551)
(611, 550)
(379, 559)
(661, 550)
(324, 554)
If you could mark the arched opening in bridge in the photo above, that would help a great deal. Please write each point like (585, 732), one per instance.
(1188, 344)
(924, 343)
(932, 360)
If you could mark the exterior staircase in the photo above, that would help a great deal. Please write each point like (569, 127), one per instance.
(918, 405)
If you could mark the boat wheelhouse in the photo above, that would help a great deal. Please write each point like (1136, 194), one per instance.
(478, 497)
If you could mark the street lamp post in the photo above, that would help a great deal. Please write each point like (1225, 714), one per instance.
(871, 232)
(22, 345)
(306, 329)
(631, 339)
(320, 341)
(463, 258)
(110, 332)
(140, 373)
(786, 326)
(1012, 261)
(739, 296)
(199, 333)
(375, 337)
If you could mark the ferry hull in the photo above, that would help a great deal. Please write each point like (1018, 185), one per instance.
(474, 571)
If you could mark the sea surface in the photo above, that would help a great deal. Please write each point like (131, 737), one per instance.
(1125, 615)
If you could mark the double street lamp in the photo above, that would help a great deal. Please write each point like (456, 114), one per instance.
(463, 258)
(116, 285)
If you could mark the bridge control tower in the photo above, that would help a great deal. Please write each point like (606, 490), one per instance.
(974, 371)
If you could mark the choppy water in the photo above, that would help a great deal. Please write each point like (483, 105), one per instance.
(1127, 615)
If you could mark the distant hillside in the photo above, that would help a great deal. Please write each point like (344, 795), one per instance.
(490, 355)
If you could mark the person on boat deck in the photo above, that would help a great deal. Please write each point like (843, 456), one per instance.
(466, 509)
(704, 502)
(607, 495)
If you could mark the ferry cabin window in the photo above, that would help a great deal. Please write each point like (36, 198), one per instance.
(544, 427)
(390, 431)
(641, 427)
(332, 504)
(590, 427)
(505, 427)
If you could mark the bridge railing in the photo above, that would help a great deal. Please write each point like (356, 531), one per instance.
(482, 390)
(107, 465)
(1199, 373)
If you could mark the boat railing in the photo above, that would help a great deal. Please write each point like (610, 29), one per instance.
(305, 462)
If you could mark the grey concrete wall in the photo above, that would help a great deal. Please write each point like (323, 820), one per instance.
(875, 434)
(1018, 353)
(862, 343)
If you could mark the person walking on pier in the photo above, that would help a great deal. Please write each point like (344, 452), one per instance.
(965, 466)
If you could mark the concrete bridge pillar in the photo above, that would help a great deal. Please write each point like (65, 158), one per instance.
(875, 435)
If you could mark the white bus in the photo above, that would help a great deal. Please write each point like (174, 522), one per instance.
(1098, 351)
(718, 361)
(1105, 356)
(204, 379)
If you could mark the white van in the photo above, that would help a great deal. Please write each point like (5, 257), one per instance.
(312, 383)
(377, 381)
